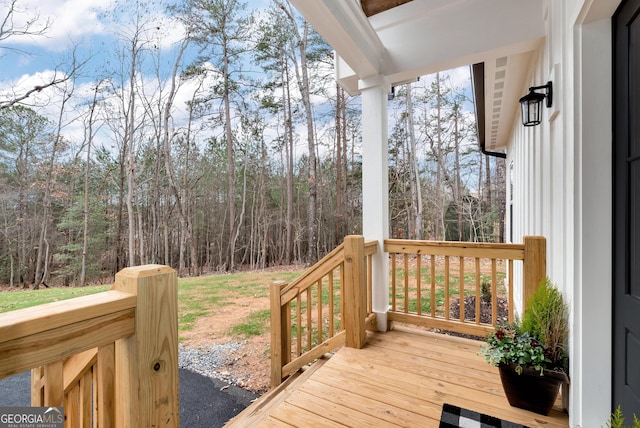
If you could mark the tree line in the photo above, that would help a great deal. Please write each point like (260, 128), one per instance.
(234, 148)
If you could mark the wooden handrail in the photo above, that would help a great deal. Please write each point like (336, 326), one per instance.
(328, 263)
(353, 260)
(456, 249)
(410, 292)
(111, 359)
(53, 331)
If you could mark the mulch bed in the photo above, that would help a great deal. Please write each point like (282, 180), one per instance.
(485, 313)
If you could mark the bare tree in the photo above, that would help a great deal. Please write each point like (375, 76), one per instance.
(272, 54)
(89, 135)
(222, 31)
(300, 44)
(11, 28)
(181, 197)
(42, 253)
(414, 175)
(31, 26)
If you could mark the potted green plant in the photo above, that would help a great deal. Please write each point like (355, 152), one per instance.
(531, 353)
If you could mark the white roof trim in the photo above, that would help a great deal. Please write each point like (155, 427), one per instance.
(426, 36)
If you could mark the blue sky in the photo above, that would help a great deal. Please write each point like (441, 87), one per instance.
(91, 29)
(84, 24)
(89, 26)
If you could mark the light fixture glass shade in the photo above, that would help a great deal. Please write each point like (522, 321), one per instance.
(532, 104)
(532, 108)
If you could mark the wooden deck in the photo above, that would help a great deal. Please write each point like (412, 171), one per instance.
(400, 378)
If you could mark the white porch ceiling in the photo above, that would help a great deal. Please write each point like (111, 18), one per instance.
(426, 36)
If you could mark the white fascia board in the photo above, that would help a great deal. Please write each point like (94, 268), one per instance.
(422, 37)
(345, 27)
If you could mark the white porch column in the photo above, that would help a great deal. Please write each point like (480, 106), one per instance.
(375, 185)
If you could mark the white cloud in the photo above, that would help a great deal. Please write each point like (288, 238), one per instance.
(69, 20)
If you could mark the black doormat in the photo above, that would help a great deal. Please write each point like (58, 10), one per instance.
(456, 417)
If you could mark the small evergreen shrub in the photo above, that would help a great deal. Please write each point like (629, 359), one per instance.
(485, 289)
(547, 318)
(617, 420)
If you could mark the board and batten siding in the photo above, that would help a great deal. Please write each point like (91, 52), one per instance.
(561, 185)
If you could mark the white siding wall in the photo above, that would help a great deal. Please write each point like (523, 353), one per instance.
(562, 188)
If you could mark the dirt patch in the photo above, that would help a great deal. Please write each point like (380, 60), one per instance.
(249, 366)
(216, 326)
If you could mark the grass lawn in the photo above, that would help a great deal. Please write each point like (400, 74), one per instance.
(197, 297)
(14, 300)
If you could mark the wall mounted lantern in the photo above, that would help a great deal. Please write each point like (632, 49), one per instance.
(532, 104)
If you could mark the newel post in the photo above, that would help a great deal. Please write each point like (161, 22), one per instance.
(535, 266)
(355, 291)
(146, 369)
(280, 332)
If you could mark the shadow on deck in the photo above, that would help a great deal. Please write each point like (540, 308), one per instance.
(400, 378)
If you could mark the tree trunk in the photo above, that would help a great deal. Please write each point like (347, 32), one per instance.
(458, 185)
(415, 186)
(131, 161)
(231, 168)
(289, 159)
(85, 222)
(439, 223)
(313, 189)
(302, 77)
(41, 273)
(339, 207)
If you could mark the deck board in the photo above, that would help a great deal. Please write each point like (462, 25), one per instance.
(400, 378)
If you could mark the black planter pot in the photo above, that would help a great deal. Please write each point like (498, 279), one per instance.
(529, 390)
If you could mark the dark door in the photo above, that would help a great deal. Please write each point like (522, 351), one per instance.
(626, 241)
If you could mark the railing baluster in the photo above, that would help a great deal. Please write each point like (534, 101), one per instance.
(419, 285)
(53, 386)
(331, 308)
(105, 388)
(462, 289)
(406, 283)
(86, 399)
(309, 321)
(71, 407)
(37, 388)
(299, 325)
(511, 301)
(478, 289)
(433, 286)
(369, 284)
(494, 293)
(320, 323)
(446, 287)
(393, 282)
(342, 296)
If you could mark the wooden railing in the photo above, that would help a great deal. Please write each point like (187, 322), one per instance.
(111, 359)
(309, 317)
(428, 278)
